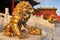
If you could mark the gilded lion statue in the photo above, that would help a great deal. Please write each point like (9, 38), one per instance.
(20, 16)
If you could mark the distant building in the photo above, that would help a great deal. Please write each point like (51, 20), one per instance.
(46, 12)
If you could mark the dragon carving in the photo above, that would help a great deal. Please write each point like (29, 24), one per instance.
(20, 16)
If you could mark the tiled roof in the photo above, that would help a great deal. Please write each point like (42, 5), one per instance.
(47, 8)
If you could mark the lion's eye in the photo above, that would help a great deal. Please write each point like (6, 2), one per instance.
(24, 14)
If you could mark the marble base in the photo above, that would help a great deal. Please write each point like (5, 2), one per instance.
(30, 37)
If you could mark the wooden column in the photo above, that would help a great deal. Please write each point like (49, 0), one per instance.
(12, 6)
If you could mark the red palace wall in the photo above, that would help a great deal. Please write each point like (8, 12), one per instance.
(46, 12)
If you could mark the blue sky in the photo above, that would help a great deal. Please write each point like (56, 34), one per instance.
(49, 3)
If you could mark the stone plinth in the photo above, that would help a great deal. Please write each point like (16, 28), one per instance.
(30, 37)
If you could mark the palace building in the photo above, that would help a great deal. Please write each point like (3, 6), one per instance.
(12, 3)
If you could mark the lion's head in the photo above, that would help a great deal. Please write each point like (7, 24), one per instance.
(23, 7)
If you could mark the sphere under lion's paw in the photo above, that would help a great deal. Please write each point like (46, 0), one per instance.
(35, 31)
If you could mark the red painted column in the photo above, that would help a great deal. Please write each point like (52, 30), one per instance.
(12, 6)
(23, 0)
